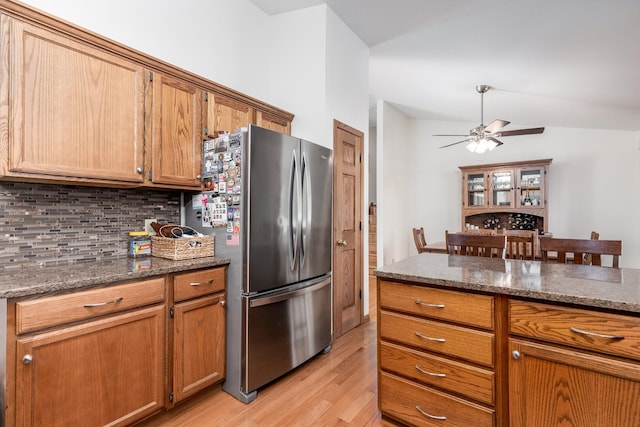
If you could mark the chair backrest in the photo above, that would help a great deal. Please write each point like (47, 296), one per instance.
(573, 251)
(521, 244)
(418, 238)
(476, 244)
(594, 236)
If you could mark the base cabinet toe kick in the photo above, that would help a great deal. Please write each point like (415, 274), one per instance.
(458, 357)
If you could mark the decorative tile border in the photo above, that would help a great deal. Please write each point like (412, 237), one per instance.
(47, 224)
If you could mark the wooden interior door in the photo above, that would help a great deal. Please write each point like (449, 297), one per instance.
(347, 228)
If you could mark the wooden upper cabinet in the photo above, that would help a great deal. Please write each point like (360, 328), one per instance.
(225, 114)
(68, 111)
(176, 133)
(273, 122)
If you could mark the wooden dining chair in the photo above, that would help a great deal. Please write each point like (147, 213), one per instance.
(418, 238)
(493, 246)
(574, 251)
(521, 244)
(594, 236)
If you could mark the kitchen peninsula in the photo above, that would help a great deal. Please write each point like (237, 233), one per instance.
(491, 342)
(111, 342)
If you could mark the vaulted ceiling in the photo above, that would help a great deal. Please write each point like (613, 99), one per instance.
(567, 63)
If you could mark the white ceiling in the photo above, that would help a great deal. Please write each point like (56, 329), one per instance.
(567, 63)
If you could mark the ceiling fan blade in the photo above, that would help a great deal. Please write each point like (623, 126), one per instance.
(462, 134)
(490, 138)
(496, 125)
(455, 143)
(520, 132)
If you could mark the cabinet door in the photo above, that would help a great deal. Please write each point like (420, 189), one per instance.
(530, 187)
(551, 386)
(501, 188)
(177, 133)
(108, 371)
(474, 189)
(224, 114)
(74, 112)
(198, 345)
(273, 122)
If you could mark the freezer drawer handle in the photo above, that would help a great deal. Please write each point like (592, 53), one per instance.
(208, 282)
(100, 304)
(283, 297)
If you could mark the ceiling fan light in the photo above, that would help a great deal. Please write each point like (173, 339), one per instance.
(472, 146)
(492, 145)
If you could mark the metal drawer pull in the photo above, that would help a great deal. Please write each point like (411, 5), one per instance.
(429, 305)
(594, 334)
(208, 282)
(419, 335)
(100, 304)
(433, 374)
(433, 417)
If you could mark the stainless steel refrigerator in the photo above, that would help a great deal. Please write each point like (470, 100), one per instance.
(269, 205)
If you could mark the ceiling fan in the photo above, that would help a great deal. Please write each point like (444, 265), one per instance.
(483, 138)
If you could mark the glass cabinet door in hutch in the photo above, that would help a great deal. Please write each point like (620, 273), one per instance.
(530, 189)
(475, 190)
(501, 182)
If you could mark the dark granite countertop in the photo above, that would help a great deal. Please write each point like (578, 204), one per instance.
(24, 282)
(589, 286)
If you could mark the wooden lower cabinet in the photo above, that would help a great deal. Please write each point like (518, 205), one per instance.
(199, 345)
(199, 331)
(548, 364)
(552, 386)
(104, 372)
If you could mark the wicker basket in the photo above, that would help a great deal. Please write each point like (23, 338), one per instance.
(182, 248)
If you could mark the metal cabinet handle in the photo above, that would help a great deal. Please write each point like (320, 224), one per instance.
(341, 242)
(223, 303)
(199, 177)
(433, 374)
(429, 305)
(100, 304)
(516, 354)
(139, 170)
(27, 359)
(419, 335)
(433, 417)
(594, 334)
(208, 282)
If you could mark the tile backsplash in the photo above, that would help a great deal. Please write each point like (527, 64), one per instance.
(47, 224)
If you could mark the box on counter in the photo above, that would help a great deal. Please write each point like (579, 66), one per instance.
(183, 247)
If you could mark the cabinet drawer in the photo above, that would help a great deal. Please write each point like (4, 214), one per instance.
(417, 405)
(460, 307)
(604, 332)
(456, 341)
(57, 310)
(198, 283)
(473, 382)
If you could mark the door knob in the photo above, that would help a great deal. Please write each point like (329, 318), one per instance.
(341, 242)
(27, 359)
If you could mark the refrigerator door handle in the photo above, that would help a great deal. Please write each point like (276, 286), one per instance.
(294, 228)
(306, 208)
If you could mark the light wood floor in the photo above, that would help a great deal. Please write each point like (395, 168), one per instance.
(335, 389)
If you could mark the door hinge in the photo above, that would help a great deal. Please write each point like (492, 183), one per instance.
(206, 130)
(360, 293)
(360, 157)
(360, 225)
(206, 97)
(150, 176)
(150, 76)
(171, 312)
(171, 397)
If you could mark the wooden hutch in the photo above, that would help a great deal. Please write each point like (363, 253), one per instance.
(511, 195)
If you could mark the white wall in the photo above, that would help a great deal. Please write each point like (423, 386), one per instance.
(594, 181)
(396, 184)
